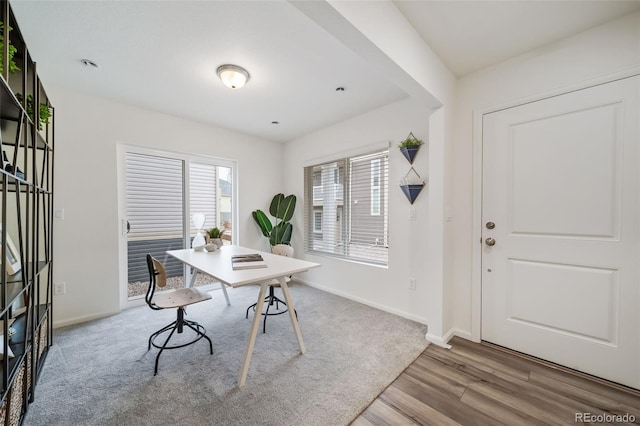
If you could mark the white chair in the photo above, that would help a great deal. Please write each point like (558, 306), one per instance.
(271, 298)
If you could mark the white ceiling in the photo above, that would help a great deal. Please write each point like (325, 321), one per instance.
(162, 55)
(471, 35)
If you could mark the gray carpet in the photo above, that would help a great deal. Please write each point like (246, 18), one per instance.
(100, 373)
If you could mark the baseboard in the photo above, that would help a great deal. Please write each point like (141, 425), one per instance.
(438, 341)
(78, 320)
(402, 314)
(459, 333)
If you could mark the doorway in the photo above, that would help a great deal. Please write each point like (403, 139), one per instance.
(159, 194)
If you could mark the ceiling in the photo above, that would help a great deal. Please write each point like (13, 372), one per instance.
(162, 55)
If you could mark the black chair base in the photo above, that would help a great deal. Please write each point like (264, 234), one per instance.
(178, 325)
(270, 299)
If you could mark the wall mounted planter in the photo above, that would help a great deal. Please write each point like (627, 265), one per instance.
(411, 187)
(412, 191)
(410, 152)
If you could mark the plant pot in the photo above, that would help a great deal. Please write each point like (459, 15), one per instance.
(410, 152)
(217, 241)
(412, 191)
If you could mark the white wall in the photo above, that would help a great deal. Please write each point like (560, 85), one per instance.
(386, 288)
(86, 241)
(605, 52)
(382, 36)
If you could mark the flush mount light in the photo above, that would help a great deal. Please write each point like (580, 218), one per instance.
(233, 76)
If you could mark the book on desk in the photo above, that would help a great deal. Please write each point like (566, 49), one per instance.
(247, 261)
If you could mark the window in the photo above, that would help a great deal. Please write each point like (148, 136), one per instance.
(346, 208)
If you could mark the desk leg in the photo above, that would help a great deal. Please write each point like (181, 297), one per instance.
(252, 335)
(192, 281)
(294, 319)
(224, 290)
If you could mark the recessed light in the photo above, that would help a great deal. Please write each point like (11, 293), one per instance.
(275, 122)
(89, 63)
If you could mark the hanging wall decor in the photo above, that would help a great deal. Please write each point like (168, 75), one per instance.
(409, 147)
(411, 184)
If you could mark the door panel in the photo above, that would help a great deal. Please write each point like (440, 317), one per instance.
(578, 158)
(560, 182)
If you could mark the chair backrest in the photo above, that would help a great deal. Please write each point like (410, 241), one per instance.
(157, 277)
(282, 250)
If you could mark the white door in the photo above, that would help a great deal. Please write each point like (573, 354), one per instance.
(560, 186)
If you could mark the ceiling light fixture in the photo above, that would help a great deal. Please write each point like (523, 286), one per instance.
(233, 76)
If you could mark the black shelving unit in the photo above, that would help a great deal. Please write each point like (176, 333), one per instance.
(26, 218)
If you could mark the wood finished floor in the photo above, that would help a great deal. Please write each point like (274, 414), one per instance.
(480, 384)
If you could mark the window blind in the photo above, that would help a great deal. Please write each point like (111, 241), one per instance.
(203, 194)
(154, 197)
(346, 208)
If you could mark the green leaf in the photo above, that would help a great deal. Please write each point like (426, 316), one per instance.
(281, 234)
(275, 205)
(287, 206)
(263, 222)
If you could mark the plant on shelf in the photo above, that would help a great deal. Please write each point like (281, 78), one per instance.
(410, 146)
(44, 113)
(13, 67)
(282, 209)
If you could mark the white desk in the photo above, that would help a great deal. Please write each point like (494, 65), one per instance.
(218, 265)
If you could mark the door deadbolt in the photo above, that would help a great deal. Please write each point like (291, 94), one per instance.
(490, 225)
(490, 242)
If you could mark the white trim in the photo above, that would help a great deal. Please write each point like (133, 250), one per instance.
(476, 262)
(420, 320)
(352, 152)
(438, 341)
(82, 319)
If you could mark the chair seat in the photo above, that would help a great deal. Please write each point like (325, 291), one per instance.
(182, 297)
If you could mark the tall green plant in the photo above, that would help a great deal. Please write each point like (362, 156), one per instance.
(13, 67)
(282, 209)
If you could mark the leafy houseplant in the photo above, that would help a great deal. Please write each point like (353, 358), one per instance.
(214, 233)
(410, 146)
(282, 209)
(44, 112)
(13, 67)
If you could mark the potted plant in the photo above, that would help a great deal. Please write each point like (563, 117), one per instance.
(214, 235)
(44, 112)
(410, 146)
(13, 67)
(282, 209)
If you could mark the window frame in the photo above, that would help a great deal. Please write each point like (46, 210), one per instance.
(342, 243)
(122, 149)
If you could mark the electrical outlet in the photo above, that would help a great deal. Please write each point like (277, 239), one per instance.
(412, 283)
(59, 288)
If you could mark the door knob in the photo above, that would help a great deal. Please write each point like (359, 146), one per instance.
(490, 225)
(490, 242)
